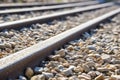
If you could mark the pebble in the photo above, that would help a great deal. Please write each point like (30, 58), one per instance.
(70, 48)
(61, 52)
(61, 68)
(13, 44)
(62, 78)
(97, 72)
(112, 67)
(115, 61)
(91, 47)
(46, 69)
(55, 63)
(55, 57)
(74, 78)
(38, 69)
(29, 72)
(85, 68)
(84, 77)
(106, 58)
(115, 77)
(2, 45)
(100, 51)
(78, 69)
(92, 74)
(100, 77)
(47, 75)
(8, 45)
(38, 77)
(91, 64)
(117, 71)
(102, 69)
(86, 35)
(68, 72)
(71, 67)
(22, 78)
(66, 64)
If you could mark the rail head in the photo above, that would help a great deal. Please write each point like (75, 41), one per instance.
(34, 54)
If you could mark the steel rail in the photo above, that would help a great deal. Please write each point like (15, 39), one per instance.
(40, 19)
(43, 8)
(17, 5)
(13, 65)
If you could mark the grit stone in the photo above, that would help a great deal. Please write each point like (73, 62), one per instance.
(29, 72)
(22, 78)
(38, 69)
(100, 77)
(115, 77)
(38, 77)
(47, 75)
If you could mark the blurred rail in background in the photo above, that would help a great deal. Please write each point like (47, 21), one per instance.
(47, 1)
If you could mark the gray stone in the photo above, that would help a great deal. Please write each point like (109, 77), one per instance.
(92, 74)
(71, 67)
(73, 78)
(60, 67)
(22, 78)
(55, 57)
(38, 69)
(48, 75)
(38, 77)
(2, 45)
(117, 71)
(100, 77)
(115, 77)
(62, 78)
(106, 58)
(114, 61)
(29, 72)
(91, 47)
(101, 69)
(100, 50)
(61, 52)
(97, 72)
(68, 72)
(84, 77)
(85, 67)
(91, 64)
(8, 45)
(46, 69)
(86, 35)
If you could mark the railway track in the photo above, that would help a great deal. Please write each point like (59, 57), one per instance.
(31, 56)
(24, 5)
(43, 18)
(94, 56)
(15, 40)
(18, 5)
(52, 7)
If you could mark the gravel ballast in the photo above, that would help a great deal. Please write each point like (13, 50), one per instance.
(12, 40)
(95, 56)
